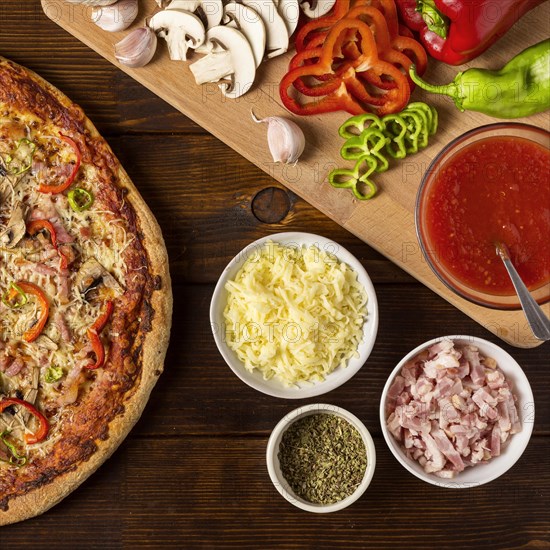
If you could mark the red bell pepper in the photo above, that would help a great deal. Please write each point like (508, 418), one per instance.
(93, 335)
(43, 426)
(346, 87)
(19, 291)
(35, 226)
(457, 31)
(59, 188)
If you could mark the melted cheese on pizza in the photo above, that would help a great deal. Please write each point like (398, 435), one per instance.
(50, 372)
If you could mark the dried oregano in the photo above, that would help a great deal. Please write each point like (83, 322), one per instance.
(323, 458)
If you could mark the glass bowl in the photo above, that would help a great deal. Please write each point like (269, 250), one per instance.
(430, 250)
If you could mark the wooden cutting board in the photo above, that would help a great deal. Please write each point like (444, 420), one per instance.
(387, 222)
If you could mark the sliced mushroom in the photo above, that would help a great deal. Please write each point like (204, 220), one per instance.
(247, 21)
(46, 343)
(235, 62)
(15, 228)
(212, 9)
(181, 30)
(317, 8)
(289, 10)
(91, 274)
(275, 27)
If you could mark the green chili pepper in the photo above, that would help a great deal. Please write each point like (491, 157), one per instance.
(15, 458)
(521, 88)
(80, 199)
(357, 124)
(53, 374)
(14, 297)
(356, 178)
(21, 160)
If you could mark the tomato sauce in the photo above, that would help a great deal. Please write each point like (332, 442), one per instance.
(496, 189)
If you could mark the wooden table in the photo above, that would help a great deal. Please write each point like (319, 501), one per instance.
(192, 473)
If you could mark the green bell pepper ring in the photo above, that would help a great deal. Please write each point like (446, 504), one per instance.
(80, 199)
(14, 457)
(371, 142)
(356, 178)
(15, 297)
(521, 88)
(397, 129)
(21, 160)
(357, 124)
(429, 112)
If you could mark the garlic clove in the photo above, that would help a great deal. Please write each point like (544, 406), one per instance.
(285, 139)
(116, 17)
(137, 48)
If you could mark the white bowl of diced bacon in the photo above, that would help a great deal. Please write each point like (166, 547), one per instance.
(457, 411)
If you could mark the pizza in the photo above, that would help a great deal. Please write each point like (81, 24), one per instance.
(86, 299)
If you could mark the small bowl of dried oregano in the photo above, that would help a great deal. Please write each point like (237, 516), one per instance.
(321, 458)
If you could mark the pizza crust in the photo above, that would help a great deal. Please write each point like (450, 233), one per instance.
(153, 352)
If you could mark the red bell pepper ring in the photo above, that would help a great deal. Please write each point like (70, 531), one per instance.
(457, 31)
(346, 91)
(29, 288)
(43, 425)
(93, 335)
(36, 226)
(55, 189)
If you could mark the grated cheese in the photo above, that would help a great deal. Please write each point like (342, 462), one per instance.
(295, 314)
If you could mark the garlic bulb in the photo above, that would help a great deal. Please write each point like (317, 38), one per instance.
(138, 48)
(116, 17)
(285, 139)
(93, 2)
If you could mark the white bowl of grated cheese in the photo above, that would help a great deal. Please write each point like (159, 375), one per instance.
(294, 315)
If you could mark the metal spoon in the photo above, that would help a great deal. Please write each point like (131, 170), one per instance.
(539, 323)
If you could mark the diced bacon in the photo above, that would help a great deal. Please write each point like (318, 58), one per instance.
(410, 372)
(495, 441)
(453, 408)
(486, 403)
(446, 447)
(44, 269)
(407, 439)
(443, 387)
(447, 413)
(477, 372)
(436, 460)
(5, 361)
(396, 388)
(394, 426)
(495, 379)
(445, 346)
(404, 398)
(504, 416)
(478, 451)
(514, 418)
(62, 326)
(63, 287)
(15, 368)
(63, 237)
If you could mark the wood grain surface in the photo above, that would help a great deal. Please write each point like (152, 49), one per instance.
(386, 222)
(192, 473)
